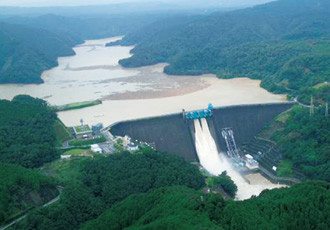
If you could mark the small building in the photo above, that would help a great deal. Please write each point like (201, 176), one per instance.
(96, 149)
(250, 162)
(97, 129)
(132, 147)
(126, 140)
(65, 157)
(82, 132)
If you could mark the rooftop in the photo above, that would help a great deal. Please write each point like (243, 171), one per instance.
(82, 129)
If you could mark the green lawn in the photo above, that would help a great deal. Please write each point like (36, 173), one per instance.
(77, 105)
(283, 117)
(119, 147)
(80, 129)
(87, 142)
(65, 172)
(285, 169)
(318, 86)
(62, 132)
(78, 152)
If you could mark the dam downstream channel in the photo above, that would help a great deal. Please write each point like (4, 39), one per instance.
(216, 162)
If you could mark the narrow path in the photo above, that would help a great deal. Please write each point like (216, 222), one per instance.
(59, 188)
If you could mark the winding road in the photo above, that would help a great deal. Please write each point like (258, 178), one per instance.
(59, 188)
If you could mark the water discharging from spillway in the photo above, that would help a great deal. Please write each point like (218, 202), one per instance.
(215, 163)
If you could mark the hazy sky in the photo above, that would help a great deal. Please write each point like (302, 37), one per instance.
(31, 3)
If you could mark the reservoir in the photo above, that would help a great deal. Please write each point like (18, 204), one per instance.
(94, 73)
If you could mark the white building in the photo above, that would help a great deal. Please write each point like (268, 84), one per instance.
(132, 147)
(96, 149)
(251, 163)
(65, 157)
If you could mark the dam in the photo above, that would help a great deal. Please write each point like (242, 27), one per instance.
(213, 137)
(176, 135)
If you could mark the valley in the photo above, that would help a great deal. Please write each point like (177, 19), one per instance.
(94, 73)
(164, 115)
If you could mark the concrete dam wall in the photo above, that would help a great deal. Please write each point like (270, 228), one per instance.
(175, 135)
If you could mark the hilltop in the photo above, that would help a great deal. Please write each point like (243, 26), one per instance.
(284, 43)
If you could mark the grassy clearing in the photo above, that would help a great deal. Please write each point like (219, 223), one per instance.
(318, 86)
(65, 172)
(78, 152)
(87, 142)
(77, 105)
(285, 169)
(119, 147)
(62, 132)
(80, 129)
(283, 117)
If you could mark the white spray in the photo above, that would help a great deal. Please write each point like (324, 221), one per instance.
(216, 163)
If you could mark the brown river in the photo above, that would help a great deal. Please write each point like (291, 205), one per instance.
(94, 73)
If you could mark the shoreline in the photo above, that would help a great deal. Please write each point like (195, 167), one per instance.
(94, 74)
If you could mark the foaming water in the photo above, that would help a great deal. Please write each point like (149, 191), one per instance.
(215, 163)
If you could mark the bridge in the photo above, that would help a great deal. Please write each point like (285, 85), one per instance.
(197, 114)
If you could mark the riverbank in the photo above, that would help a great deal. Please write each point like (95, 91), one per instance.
(94, 73)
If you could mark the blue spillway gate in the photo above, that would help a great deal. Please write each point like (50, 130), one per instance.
(197, 114)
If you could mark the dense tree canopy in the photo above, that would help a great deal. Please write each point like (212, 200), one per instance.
(118, 176)
(107, 181)
(142, 191)
(287, 47)
(21, 189)
(304, 206)
(30, 45)
(225, 182)
(27, 136)
(164, 208)
(305, 140)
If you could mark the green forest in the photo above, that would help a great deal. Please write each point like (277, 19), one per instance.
(30, 45)
(304, 140)
(287, 48)
(160, 191)
(304, 206)
(22, 189)
(105, 181)
(27, 135)
(27, 138)
(223, 181)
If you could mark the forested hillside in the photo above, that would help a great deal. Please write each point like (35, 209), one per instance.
(285, 43)
(30, 45)
(27, 52)
(105, 181)
(27, 136)
(156, 190)
(304, 141)
(304, 206)
(22, 189)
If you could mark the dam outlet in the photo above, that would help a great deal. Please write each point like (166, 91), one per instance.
(215, 162)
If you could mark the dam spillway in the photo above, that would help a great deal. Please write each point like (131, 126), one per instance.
(215, 162)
